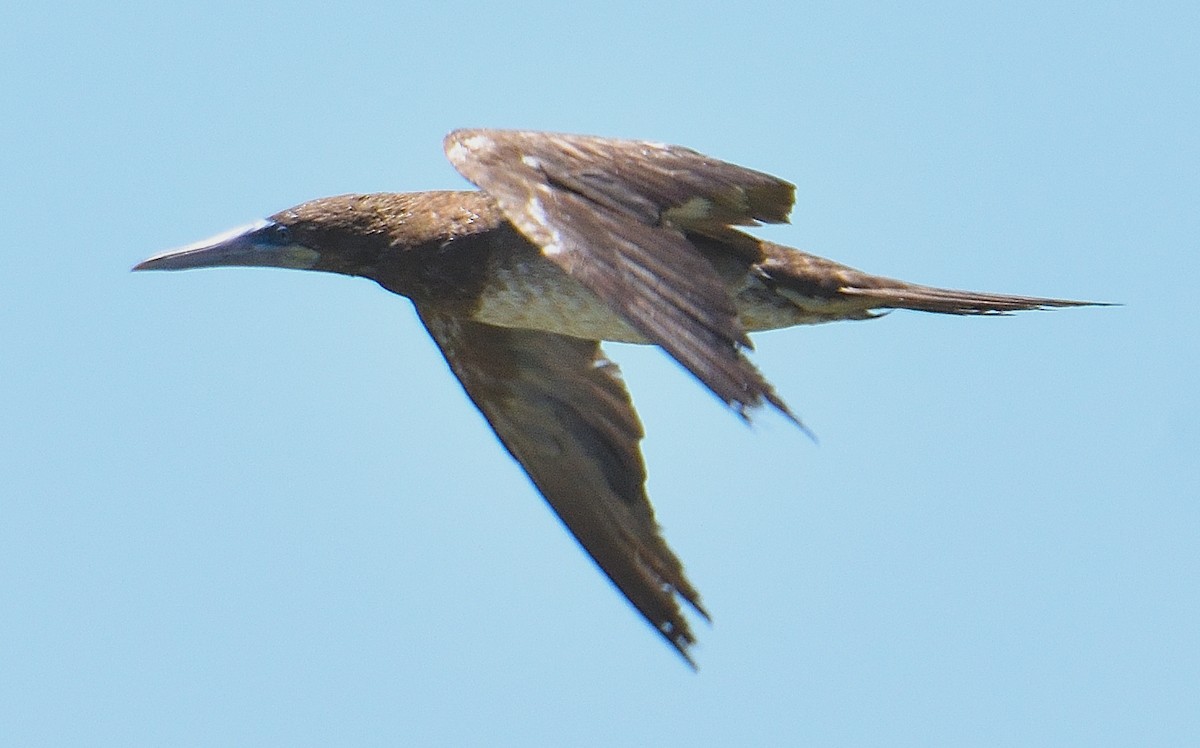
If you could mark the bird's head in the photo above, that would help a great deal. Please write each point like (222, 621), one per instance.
(344, 234)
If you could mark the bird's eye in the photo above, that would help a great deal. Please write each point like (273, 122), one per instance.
(281, 234)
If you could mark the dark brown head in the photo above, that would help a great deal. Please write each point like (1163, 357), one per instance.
(347, 234)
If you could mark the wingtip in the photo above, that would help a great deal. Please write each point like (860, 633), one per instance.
(691, 663)
(747, 413)
(682, 641)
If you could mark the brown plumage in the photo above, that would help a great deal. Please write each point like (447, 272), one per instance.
(573, 240)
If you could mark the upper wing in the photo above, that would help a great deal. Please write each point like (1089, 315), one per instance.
(562, 411)
(612, 214)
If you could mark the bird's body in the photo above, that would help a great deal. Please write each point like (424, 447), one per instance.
(470, 262)
(574, 240)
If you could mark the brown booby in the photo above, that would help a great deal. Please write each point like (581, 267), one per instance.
(572, 240)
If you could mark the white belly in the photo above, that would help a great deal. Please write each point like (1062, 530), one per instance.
(541, 296)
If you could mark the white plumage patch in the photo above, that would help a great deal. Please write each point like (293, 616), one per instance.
(693, 211)
(459, 147)
(545, 233)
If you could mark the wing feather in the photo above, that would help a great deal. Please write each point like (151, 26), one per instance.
(615, 214)
(562, 410)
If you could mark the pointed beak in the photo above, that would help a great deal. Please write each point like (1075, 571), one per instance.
(261, 244)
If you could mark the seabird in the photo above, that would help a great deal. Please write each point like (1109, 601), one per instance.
(572, 240)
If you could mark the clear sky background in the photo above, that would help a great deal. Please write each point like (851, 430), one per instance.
(252, 507)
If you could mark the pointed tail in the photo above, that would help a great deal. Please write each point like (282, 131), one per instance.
(949, 301)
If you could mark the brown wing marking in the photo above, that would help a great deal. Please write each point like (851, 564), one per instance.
(562, 410)
(612, 214)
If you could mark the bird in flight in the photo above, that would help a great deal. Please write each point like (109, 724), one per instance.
(572, 240)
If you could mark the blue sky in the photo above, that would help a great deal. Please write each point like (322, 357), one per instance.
(252, 507)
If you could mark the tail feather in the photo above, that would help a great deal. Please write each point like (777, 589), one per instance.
(818, 285)
(949, 301)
